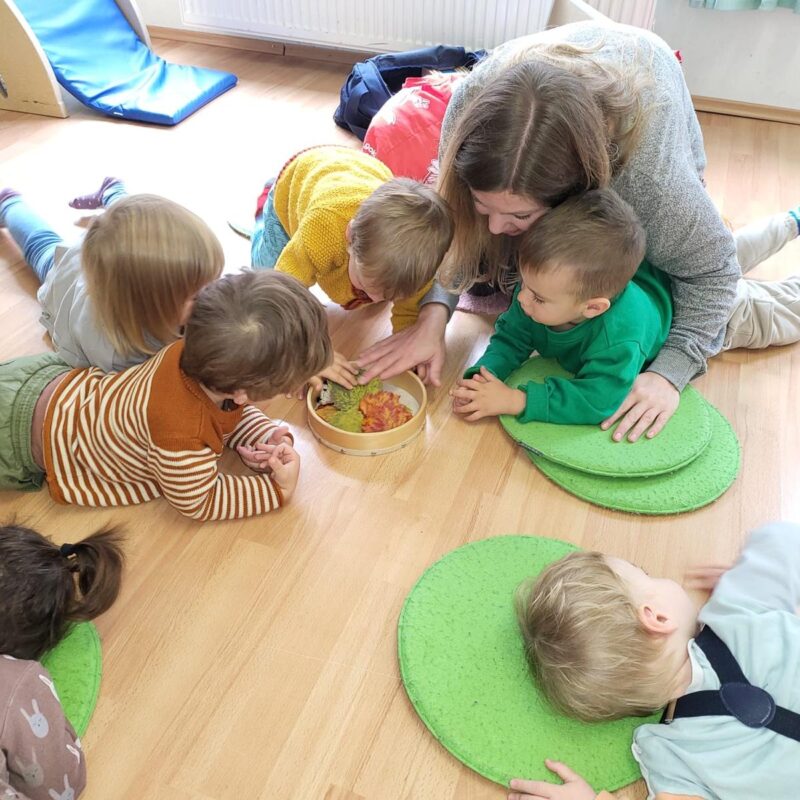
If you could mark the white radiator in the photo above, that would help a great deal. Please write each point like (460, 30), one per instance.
(389, 25)
(632, 12)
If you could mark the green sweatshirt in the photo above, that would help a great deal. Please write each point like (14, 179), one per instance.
(605, 354)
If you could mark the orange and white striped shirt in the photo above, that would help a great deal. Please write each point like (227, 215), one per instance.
(151, 430)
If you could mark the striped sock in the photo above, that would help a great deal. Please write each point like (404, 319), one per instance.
(96, 199)
(5, 194)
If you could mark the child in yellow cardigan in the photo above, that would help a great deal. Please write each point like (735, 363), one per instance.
(335, 217)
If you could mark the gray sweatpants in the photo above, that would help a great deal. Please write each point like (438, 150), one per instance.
(766, 312)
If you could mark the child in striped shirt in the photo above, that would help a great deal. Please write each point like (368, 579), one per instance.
(158, 429)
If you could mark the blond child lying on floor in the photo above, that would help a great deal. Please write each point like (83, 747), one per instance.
(606, 640)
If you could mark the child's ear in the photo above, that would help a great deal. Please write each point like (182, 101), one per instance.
(655, 621)
(347, 233)
(240, 397)
(595, 307)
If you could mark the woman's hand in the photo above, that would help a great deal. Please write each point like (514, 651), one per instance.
(420, 347)
(648, 407)
(573, 788)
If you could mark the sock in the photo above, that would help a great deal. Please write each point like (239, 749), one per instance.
(96, 199)
(6, 194)
(794, 213)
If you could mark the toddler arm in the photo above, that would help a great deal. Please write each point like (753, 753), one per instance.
(588, 398)
(511, 344)
(193, 485)
(766, 577)
(318, 244)
(42, 751)
(254, 426)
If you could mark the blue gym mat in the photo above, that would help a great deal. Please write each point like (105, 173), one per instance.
(97, 57)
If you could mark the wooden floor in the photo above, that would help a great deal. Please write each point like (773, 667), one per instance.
(256, 660)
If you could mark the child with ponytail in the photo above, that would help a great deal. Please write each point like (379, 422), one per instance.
(44, 588)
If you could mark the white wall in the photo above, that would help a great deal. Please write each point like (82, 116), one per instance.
(745, 56)
(162, 13)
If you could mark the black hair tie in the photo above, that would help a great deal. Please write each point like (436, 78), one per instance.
(67, 550)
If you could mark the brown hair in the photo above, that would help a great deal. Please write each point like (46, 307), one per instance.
(143, 259)
(260, 331)
(596, 235)
(552, 124)
(399, 236)
(590, 654)
(42, 589)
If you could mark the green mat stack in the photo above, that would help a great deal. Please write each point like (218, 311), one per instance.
(463, 666)
(688, 465)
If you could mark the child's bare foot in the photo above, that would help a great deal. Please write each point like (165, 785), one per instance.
(94, 200)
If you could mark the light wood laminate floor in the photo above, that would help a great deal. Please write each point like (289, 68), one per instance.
(256, 659)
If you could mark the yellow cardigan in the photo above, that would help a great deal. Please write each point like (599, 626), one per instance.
(316, 194)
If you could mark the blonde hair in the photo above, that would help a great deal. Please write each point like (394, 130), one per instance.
(596, 235)
(399, 236)
(590, 654)
(552, 124)
(258, 331)
(143, 259)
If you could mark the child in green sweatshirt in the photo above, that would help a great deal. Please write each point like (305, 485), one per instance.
(588, 299)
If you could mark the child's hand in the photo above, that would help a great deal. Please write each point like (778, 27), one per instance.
(280, 436)
(341, 371)
(705, 578)
(484, 395)
(285, 465)
(256, 457)
(573, 788)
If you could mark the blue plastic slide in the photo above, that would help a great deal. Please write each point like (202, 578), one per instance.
(97, 57)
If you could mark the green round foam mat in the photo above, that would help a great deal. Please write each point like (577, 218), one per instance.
(688, 488)
(75, 665)
(589, 449)
(463, 666)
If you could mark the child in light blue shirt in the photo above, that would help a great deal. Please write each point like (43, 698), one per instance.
(656, 658)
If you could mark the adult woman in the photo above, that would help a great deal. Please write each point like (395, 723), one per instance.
(555, 114)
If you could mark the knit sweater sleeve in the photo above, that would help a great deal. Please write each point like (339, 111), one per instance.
(512, 343)
(406, 311)
(254, 426)
(686, 236)
(687, 240)
(190, 481)
(595, 392)
(317, 247)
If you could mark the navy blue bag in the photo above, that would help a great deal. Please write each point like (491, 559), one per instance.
(374, 81)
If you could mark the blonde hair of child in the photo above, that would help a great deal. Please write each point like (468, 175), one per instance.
(143, 259)
(596, 236)
(399, 236)
(588, 651)
(552, 124)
